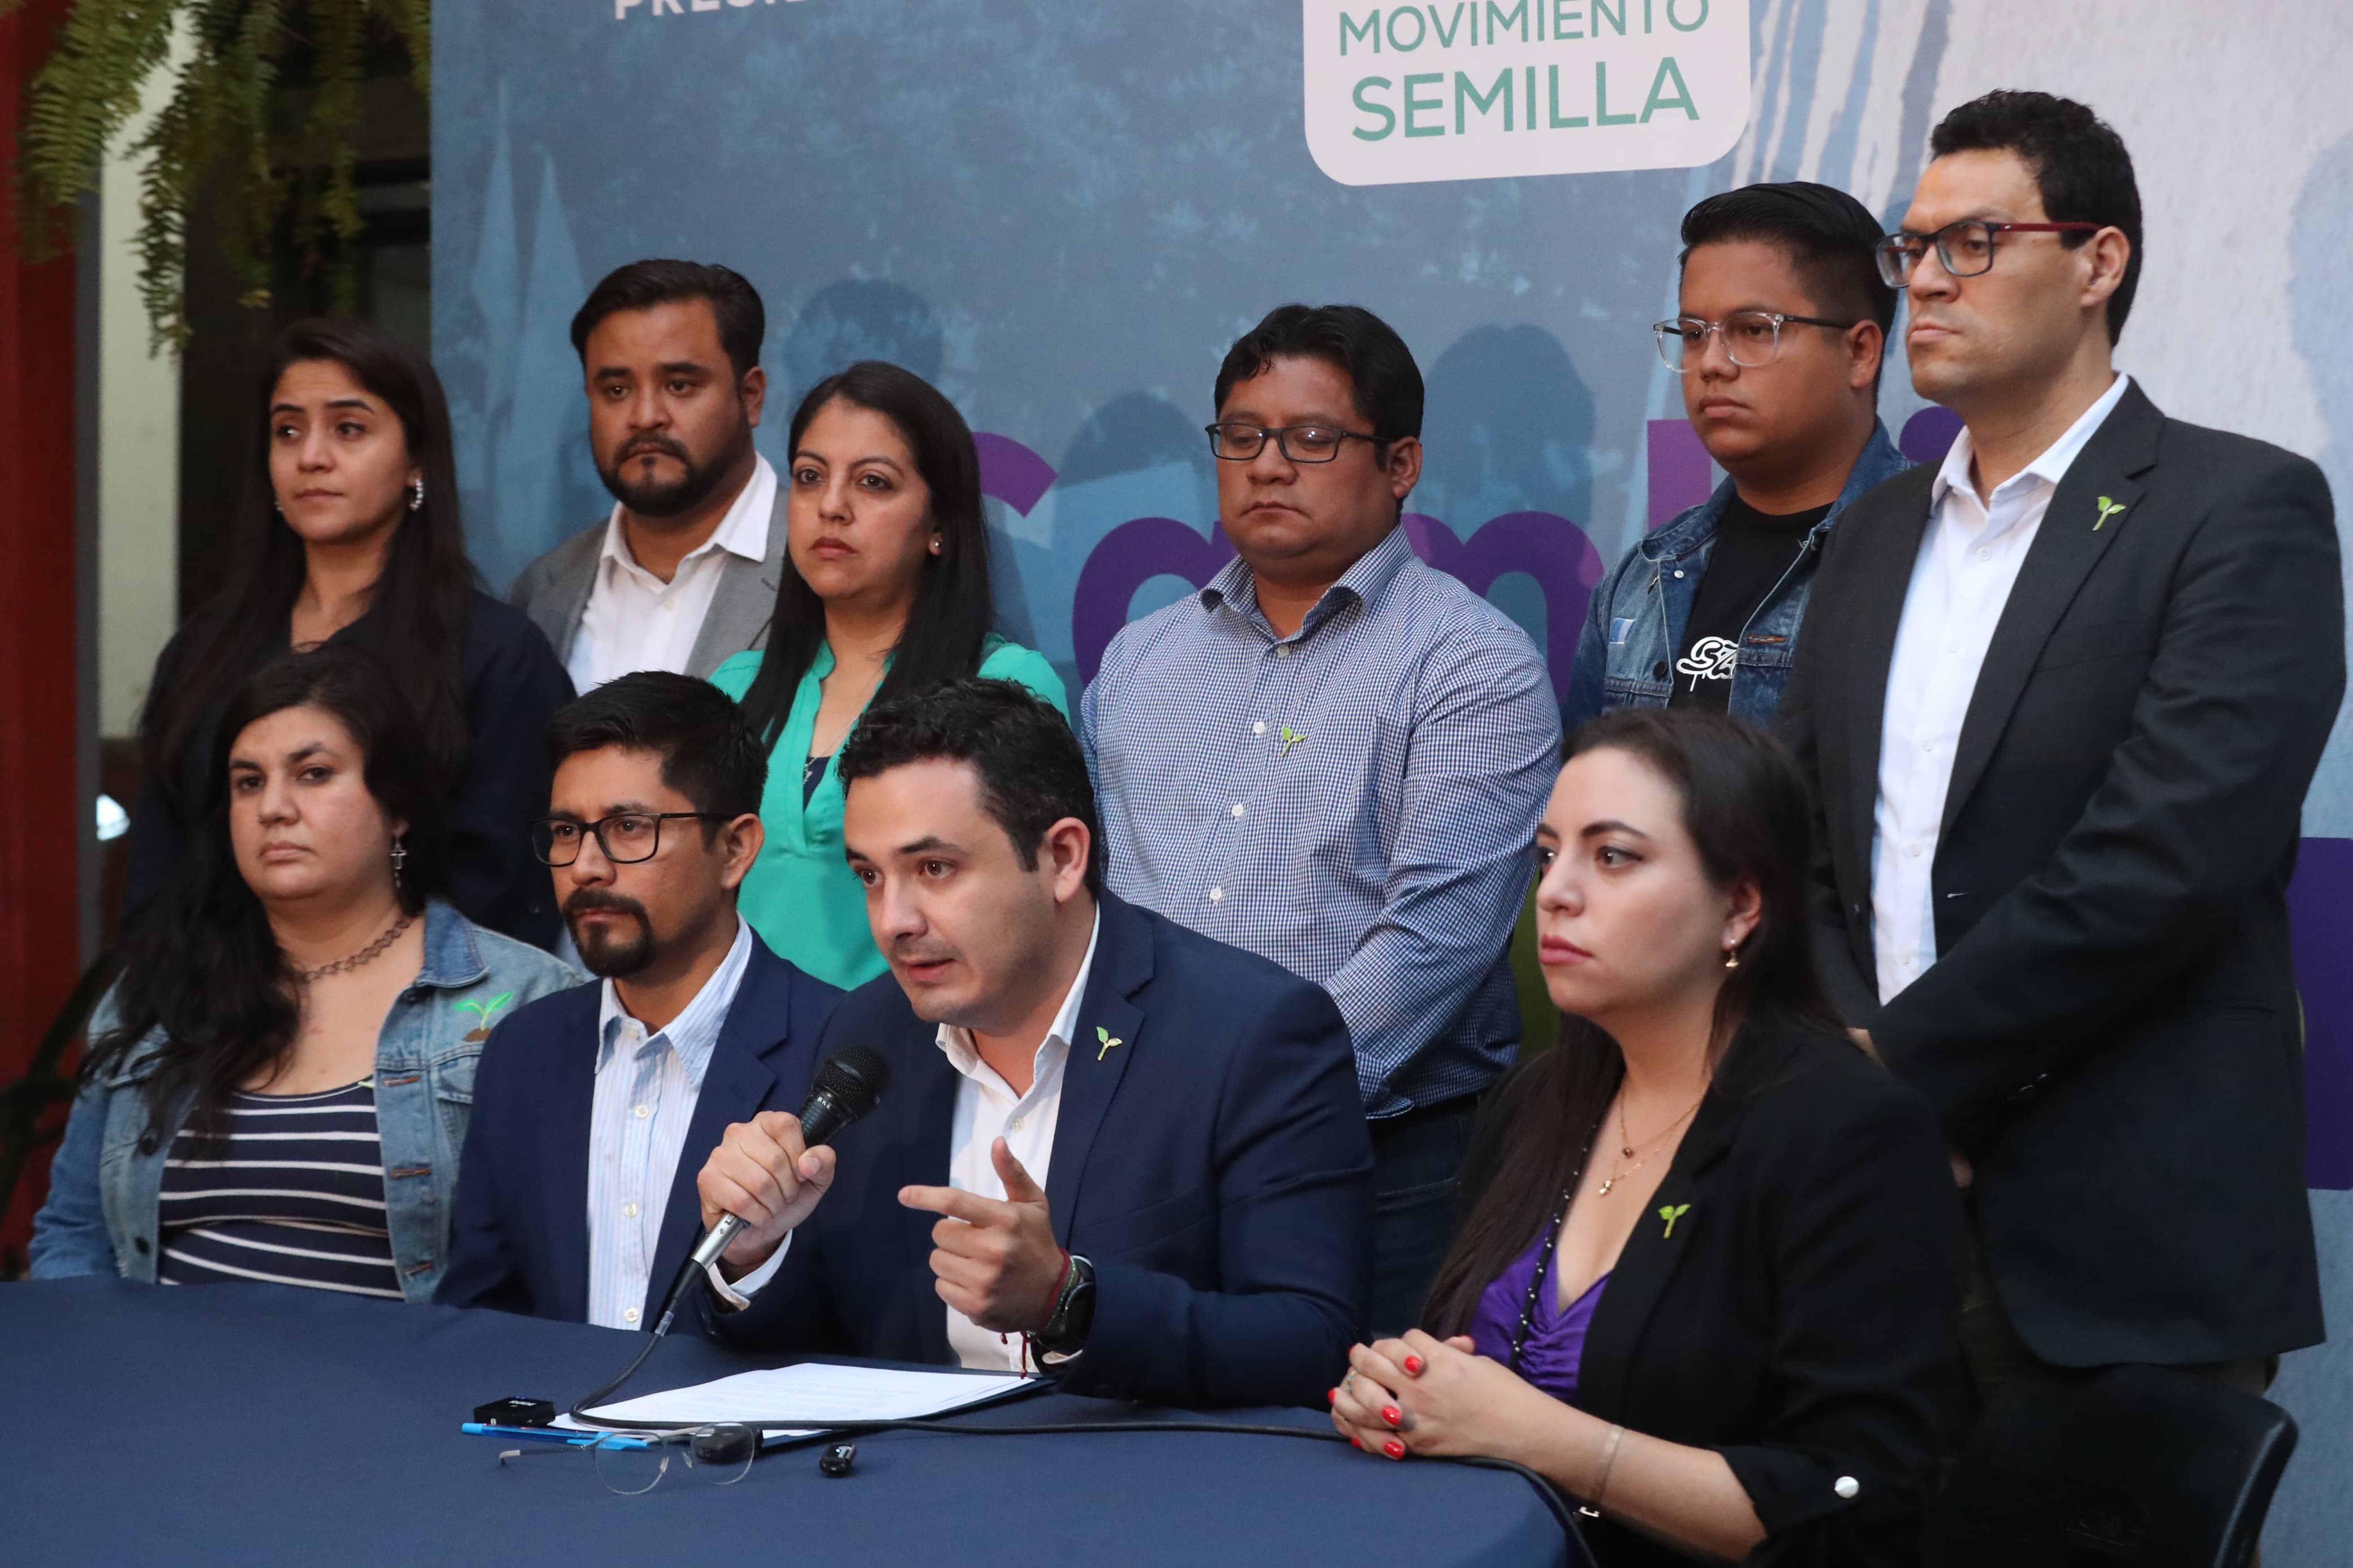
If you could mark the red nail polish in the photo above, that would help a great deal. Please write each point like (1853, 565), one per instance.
(1392, 1415)
(1355, 1442)
(1333, 1397)
(1393, 1448)
(1413, 1367)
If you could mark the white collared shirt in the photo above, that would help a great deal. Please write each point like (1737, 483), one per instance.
(986, 1108)
(1969, 559)
(646, 1085)
(633, 620)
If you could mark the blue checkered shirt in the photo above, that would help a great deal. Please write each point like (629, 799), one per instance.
(1356, 802)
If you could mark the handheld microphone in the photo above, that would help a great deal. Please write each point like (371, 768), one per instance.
(852, 1083)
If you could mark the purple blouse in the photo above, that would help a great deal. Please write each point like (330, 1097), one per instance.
(1555, 1341)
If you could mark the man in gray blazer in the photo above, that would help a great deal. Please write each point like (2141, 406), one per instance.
(683, 574)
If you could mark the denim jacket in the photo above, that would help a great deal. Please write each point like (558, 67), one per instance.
(1625, 656)
(105, 1183)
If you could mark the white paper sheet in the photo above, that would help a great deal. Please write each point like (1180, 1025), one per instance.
(821, 1393)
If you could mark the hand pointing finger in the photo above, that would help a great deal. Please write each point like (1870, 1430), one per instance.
(1019, 1187)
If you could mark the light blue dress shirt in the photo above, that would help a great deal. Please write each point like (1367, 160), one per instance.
(1355, 801)
(646, 1085)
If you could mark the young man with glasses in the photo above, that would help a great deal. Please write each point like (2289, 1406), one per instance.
(1335, 756)
(1783, 316)
(2061, 702)
(595, 1108)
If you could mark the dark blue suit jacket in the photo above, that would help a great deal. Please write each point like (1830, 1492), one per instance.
(522, 1222)
(1211, 1162)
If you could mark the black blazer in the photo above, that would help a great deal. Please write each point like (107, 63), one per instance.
(520, 1239)
(513, 683)
(2111, 1031)
(1800, 1313)
(1210, 1160)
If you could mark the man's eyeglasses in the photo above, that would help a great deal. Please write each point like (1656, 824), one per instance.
(625, 837)
(1751, 338)
(1238, 443)
(1966, 248)
(632, 1463)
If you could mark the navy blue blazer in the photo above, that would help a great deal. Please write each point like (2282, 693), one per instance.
(522, 1222)
(1210, 1160)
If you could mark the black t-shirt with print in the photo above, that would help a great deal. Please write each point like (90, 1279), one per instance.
(1753, 549)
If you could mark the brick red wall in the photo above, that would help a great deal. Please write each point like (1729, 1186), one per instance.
(39, 816)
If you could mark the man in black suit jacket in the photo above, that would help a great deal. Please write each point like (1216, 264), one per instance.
(1200, 1230)
(2059, 703)
(595, 1108)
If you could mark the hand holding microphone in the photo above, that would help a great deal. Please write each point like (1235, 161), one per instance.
(768, 1174)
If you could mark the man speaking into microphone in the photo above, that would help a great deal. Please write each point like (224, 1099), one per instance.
(1114, 1151)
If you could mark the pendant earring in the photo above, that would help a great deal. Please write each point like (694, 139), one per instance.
(399, 858)
(416, 496)
(1731, 958)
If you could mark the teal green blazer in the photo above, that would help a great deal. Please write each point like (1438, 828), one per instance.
(801, 897)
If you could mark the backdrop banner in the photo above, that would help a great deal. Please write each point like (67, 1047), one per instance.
(1061, 212)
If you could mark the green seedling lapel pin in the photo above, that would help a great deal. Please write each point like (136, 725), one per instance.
(482, 1011)
(1671, 1212)
(2108, 509)
(1108, 1039)
(1290, 738)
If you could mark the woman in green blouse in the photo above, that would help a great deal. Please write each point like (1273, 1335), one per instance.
(885, 592)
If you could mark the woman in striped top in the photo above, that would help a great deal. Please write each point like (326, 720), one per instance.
(278, 1086)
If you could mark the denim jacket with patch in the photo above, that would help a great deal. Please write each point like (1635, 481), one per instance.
(1625, 656)
(105, 1184)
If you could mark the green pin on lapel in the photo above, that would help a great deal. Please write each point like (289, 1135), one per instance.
(1108, 1039)
(1671, 1212)
(2108, 509)
(482, 1011)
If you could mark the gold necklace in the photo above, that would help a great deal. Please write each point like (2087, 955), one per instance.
(375, 950)
(1626, 1145)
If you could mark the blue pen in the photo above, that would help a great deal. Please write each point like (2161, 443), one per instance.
(528, 1433)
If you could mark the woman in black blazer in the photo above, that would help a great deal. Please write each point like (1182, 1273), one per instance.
(349, 533)
(1709, 1273)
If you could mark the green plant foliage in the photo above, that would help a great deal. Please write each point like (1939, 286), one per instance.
(287, 149)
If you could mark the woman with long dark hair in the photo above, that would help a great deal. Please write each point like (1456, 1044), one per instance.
(277, 1086)
(1709, 1272)
(349, 533)
(885, 592)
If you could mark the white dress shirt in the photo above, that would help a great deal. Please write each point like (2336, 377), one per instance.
(633, 620)
(646, 1088)
(1969, 559)
(986, 1108)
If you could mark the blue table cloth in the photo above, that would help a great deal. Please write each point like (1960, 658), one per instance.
(255, 1425)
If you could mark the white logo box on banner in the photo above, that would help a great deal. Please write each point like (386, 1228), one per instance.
(1474, 90)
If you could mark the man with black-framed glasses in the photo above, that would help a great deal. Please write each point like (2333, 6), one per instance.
(1334, 756)
(2063, 698)
(595, 1108)
(1782, 319)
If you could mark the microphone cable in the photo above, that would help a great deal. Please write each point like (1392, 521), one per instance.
(1564, 1512)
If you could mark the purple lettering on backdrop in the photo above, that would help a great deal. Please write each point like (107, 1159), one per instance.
(1680, 476)
(1928, 434)
(1546, 546)
(1128, 557)
(1011, 471)
(2320, 911)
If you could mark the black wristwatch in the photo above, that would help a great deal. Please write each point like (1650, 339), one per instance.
(1064, 1337)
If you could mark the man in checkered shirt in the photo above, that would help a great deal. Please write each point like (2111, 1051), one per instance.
(1335, 756)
